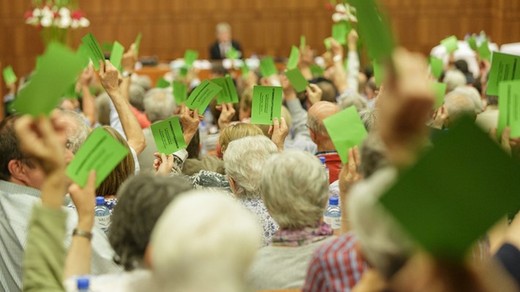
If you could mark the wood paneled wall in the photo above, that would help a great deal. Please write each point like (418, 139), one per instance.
(170, 27)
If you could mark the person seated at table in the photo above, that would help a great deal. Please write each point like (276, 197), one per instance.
(296, 200)
(224, 43)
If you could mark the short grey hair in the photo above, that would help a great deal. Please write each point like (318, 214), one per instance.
(223, 27)
(244, 160)
(453, 79)
(352, 99)
(103, 109)
(369, 118)
(458, 104)
(158, 104)
(473, 94)
(316, 125)
(78, 133)
(136, 96)
(373, 155)
(204, 235)
(383, 242)
(295, 189)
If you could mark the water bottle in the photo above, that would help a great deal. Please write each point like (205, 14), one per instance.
(83, 284)
(333, 213)
(324, 164)
(102, 214)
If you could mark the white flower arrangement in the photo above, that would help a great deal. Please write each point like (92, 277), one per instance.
(344, 12)
(52, 16)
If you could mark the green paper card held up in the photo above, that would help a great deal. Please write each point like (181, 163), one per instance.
(168, 135)
(294, 57)
(340, 31)
(229, 91)
(180, 92)
(317, 71)
(202, 95)
(267, 104)
(244, 69)
(346, 131)
(117, 55)
(472, 42)
(58, 69)
(470, 192)
(379, 73)
(100, 152)
(302, 42)
(95, 52)
(509, 107)
(9, 76)
(327, 44)
(483, 50)
(232, 54)
(450, 43)
(439, 90)
(267, 67)
(298, 82)
(189, 57)
(504, 67)
(137, 43)
(183, 71)
(436, 67)
(374, 29)
(162, 83)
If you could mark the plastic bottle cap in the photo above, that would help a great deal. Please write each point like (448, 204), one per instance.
(334, 200)
(83, 283)
(322, 159)
(100, 201)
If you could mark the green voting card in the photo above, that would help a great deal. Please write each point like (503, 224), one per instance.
(317, 71)
(116, 55)
(168, 135)
(95, 52)
(107, 47)
(244, 69)
(509, 107)
(267, 104)
(436, 67)
(483, 50)
(298, 82)
(303, 42)
(137, 43)
(374, 29)
(202, 96)
(183, 71)
(450, 43)
(340, 31)
(101, 152)
(439, 89)
(294, 57)
(9, 76)
(232, 54)
(472, 42)
(162, 83)
(229, 91)
(189, 57)
(327, 43)
(455, 193)
(59, 67)
(346, 131)
(267, 67)
(379, 73)
(180, 92)
(83, 52)
(504, 67)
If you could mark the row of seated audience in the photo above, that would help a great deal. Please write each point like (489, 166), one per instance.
(248, 214)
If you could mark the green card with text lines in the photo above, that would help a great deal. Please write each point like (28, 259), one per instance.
(229, 91)
(168, 135)
(202, 95)
(100, 152)
(267, 104)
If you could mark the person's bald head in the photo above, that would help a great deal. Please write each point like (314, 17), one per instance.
(317, 113)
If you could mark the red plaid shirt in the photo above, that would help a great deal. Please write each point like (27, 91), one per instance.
(335, 266)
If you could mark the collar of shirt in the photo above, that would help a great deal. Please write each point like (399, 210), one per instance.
(13, 188)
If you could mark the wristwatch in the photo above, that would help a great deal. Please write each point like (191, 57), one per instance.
(82, 233)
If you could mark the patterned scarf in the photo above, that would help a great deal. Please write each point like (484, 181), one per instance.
(307, 235)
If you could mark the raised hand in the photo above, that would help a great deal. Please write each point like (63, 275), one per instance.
(163, 163)
(314, 93)
(226, 115)
(129, 59)
(279, 132)
(85, 201)
(109, 77)
(349, 173)
(190, 122)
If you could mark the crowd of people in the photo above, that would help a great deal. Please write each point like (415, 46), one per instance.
(242, 207)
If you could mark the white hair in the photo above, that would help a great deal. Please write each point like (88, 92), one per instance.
(453, 79)
(158, 104)
(458, 104)
(384, 243)
(223, 27)
(352, 99)
(204, 241)
(77, 131)
(473, 94)
(294, 188)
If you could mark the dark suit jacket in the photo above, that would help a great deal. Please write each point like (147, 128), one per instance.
(214, 50)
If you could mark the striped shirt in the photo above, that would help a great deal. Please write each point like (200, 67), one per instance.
(335, 266)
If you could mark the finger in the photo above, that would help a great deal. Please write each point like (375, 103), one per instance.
(170, 159)
(357, 156)
(157, 155)
(276, 124)
(91, 182)
(220, 107)
(505, 135)
(283, 123)
(101, 66)
(164, 158)
(270, 131)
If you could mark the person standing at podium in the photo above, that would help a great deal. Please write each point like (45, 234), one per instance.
(224, 43)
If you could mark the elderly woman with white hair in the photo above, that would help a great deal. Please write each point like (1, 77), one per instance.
(295, 190)
(205, 241)
(244, 161)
